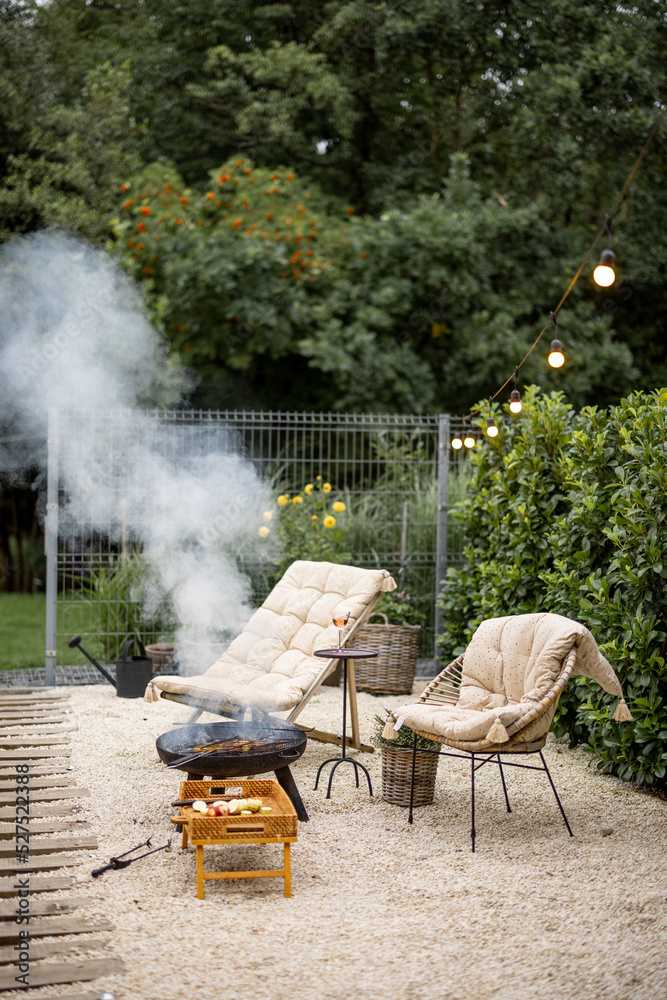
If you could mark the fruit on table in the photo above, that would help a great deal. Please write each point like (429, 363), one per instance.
(235, 807)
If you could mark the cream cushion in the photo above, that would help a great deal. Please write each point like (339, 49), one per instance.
(270, 665)
(510, 664)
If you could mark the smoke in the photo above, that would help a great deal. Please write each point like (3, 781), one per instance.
(76, 341)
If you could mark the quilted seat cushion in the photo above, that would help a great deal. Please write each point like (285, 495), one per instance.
(270, 665)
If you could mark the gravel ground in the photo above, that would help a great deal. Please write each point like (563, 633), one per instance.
(379, 910)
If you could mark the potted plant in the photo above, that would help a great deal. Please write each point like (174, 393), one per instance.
(396, 639)
(397, 764)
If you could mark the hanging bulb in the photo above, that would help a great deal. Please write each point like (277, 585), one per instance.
(457, 443)
(556, 358)
(515, 401)
(491, 428)
(469, 441)
(604, 274)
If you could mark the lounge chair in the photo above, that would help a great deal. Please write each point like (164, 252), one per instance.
(270, 666)
(500, 697)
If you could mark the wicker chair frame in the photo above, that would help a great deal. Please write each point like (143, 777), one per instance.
(444, 690)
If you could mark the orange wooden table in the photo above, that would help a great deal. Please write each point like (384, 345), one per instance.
(277, 827)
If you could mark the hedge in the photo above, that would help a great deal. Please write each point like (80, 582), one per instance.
(566, 513)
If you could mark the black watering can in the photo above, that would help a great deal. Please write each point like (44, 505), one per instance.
(132, 672)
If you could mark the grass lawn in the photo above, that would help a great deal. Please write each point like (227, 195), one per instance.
(22, 630)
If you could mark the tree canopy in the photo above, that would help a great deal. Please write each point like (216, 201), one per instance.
(459, 157)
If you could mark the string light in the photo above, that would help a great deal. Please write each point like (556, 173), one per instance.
(515, 396)
(491, 428)
(604, 275)
(556, 357)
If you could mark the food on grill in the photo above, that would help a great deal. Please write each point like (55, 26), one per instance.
(239, 745)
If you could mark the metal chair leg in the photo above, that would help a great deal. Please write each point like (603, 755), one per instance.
(502, 778)
(412, 776)
(472, 801)
(553, 788)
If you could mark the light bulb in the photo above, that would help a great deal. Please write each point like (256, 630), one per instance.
(491, 428)
(556, 358)
(515, 401)
(457, 443)
(604, 274)
(469, 441)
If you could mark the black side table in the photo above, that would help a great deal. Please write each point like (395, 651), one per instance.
(347, 658)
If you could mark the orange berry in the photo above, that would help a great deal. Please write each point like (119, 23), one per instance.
(274, 177)
(349, 211)
(239, 163)
(141, 226)
(127, 205)
(247, 170)
(210, 196)
(223, 177)
(183, 201)
(140, 246)
(290, 177)
(245, 203)
(269, 215)
(363, 255)
(130, 244)
(236, 223)
(178, 222)
(145, 210)
(309, 253)
(123, 187)
(148, 270)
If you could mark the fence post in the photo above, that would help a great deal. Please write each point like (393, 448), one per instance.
(51, 546)
(441, 529)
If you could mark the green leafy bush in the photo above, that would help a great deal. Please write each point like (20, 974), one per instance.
(566, 513)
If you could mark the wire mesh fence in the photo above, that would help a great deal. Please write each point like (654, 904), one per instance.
(397, 474)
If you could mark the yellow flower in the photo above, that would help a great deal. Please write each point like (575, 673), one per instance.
(314, 517)
(264, 531)
(282, 500)
(329, 521)
(268, 516)
(326, 487)
(319, 479)
(339, 506)
(297, 500)
(308, 488)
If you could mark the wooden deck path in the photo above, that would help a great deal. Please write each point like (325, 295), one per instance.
(35, 757)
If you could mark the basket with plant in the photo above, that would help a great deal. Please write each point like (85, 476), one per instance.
(396, 639)
(397, 764)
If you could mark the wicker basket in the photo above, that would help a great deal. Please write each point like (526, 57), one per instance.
(393, 670)
(397, 772)
(280, 822)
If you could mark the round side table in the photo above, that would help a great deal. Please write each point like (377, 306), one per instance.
(345, 656)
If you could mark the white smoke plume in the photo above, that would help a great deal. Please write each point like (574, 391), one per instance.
(74, 339)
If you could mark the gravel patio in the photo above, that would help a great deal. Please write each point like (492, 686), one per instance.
(379, 910)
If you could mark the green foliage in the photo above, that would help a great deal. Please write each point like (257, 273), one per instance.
(118, 601)
(311, 524)
(404, 736)
(566, 513)
(399, 608)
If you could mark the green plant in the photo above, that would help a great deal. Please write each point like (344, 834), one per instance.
(567, 514)
(118, 596)
(310, 524)
(400, 609)
(404, 736)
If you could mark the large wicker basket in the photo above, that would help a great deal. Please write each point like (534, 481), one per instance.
(393, 670)
(397, 771)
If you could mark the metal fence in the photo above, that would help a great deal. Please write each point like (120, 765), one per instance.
(396, 471)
